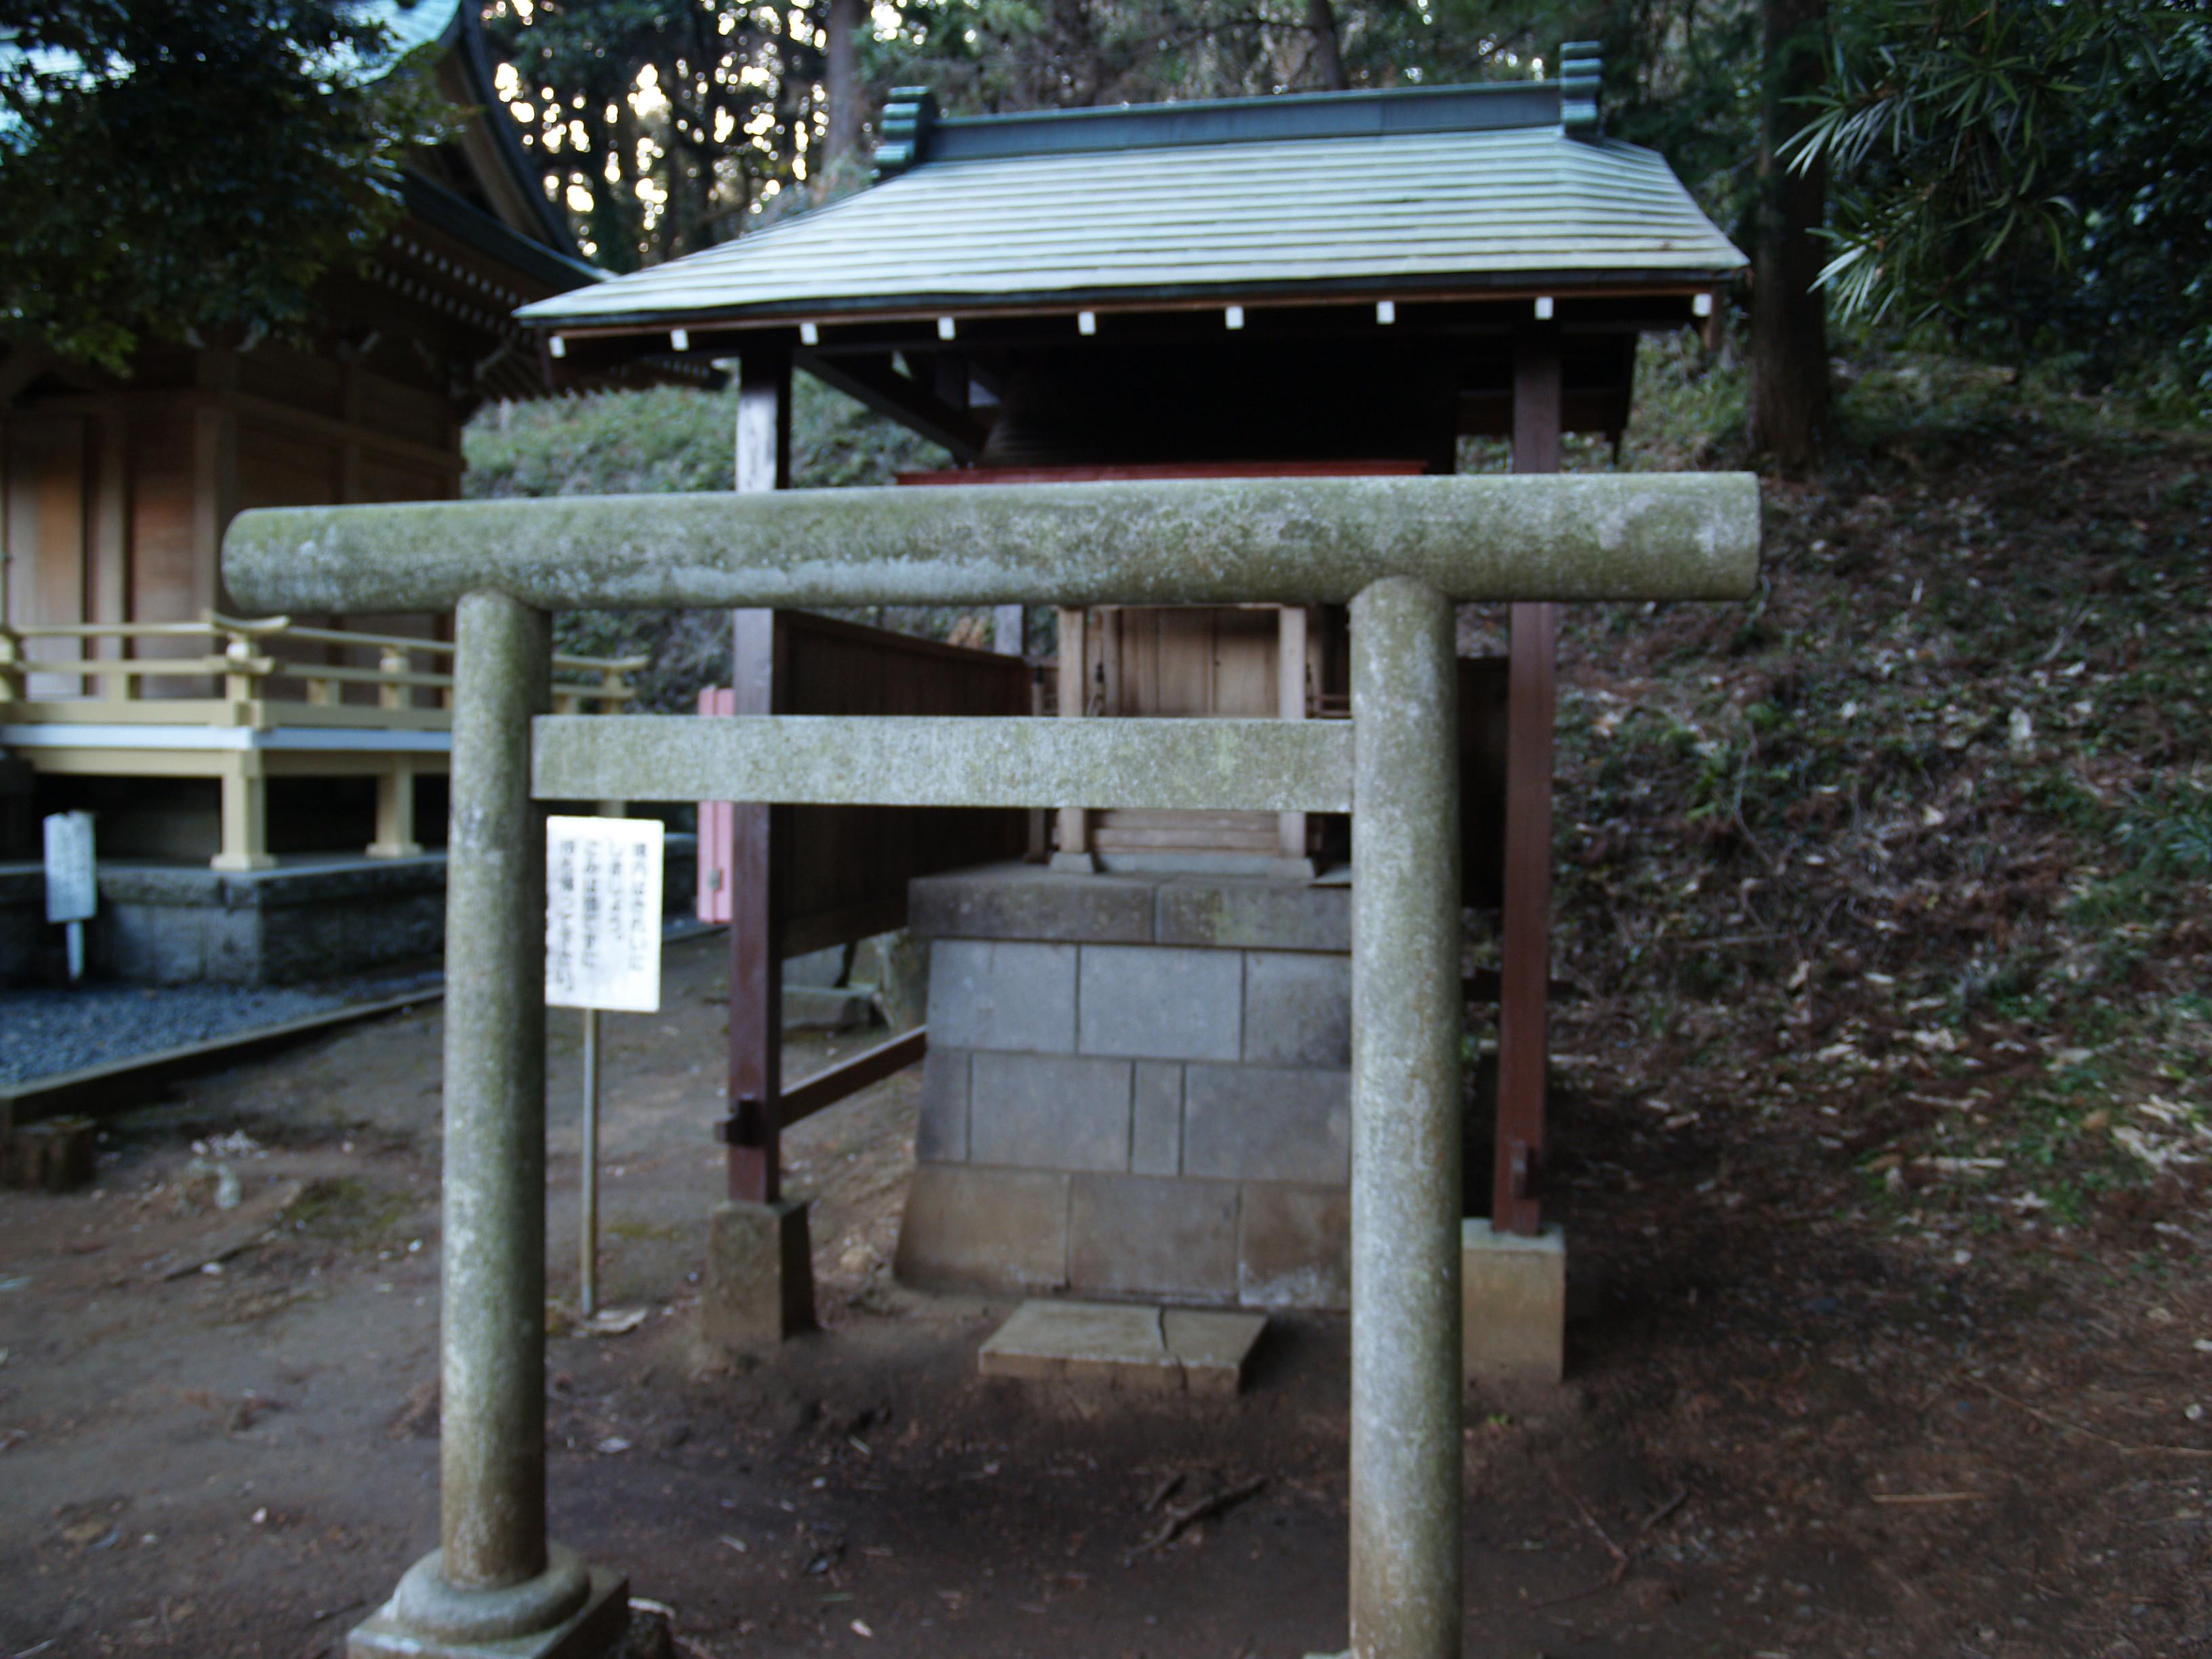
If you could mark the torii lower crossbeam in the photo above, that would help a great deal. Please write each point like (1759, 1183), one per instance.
(1404, 553)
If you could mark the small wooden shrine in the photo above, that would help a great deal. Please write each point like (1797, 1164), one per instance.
(1137, 1061)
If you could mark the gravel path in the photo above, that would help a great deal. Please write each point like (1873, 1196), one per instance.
(45, 1031)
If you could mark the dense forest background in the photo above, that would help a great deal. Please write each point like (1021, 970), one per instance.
(2026, 181)
(2022, 181)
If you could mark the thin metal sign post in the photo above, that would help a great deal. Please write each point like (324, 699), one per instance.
(602, 890)
(587, 1278)
(1402, 551)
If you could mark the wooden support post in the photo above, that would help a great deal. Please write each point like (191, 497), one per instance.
(1110, 704)
(755, 949)
(1074, 851)
(395, 812)
(1291, 630)
(753, 1131)
(245, 814)
(1523, 1009)
(764, 449)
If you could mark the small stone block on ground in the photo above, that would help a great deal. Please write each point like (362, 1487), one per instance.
(1122, 1346)
(759, 1275)
(1513, 1304)
(57, 1155)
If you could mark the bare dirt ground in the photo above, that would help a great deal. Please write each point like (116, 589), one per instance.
(1788, 1432)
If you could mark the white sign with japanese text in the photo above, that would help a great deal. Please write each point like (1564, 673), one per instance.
(72, 881)
(603, 913)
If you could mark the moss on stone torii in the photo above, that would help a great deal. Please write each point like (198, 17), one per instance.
(1566, 537)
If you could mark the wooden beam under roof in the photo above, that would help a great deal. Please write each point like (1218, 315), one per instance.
(876, 383)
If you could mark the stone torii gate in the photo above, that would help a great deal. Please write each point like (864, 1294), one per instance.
(1400, 550)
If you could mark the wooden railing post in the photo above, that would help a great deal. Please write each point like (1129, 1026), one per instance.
(393, 693)
(395, 812)
(240, 682)
(245, 814)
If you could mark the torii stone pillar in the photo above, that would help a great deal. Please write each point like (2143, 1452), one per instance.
(494, 1578)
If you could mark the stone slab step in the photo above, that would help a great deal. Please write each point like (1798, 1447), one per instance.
(1121, 1346)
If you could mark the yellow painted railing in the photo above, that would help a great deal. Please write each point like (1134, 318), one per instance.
(252, 659)
(268, 675)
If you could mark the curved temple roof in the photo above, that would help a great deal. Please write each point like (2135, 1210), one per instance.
(1510, 200)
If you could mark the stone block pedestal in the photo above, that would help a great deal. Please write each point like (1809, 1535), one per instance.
(759, 1275)
(1138, 1087)
(1513, 1304)
(1118, 1345)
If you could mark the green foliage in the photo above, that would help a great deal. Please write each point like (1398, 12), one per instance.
(2032, 177)
(623, 443)
(174, 171)
(675, 439)
(2167, 827)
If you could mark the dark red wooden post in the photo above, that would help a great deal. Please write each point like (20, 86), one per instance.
(753, 1130)
(1523, 1010)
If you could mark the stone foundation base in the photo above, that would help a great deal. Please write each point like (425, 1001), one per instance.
(427, 1618)
(759, 1275)
(1138, 1086)
(1254, 1244)
(1513, 1304)
(311, 917)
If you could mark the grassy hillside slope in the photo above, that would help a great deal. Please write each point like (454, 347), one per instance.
(672, 439)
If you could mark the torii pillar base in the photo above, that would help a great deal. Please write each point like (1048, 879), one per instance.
(570, 1611)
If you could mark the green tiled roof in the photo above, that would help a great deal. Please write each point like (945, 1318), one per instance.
(1393, 194)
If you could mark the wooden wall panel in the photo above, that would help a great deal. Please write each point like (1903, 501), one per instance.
(162, 588)
(1244, 652)
(1184, 676)
(165, 584)
(47, 539)
(845, 869)
(393, 411)
(294, 379)
(280, 468)
(384, 477)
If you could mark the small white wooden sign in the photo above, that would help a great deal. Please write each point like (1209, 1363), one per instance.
(72, 883)
(603, 913)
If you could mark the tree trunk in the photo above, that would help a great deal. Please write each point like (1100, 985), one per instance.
(1328, 54)
(1789, 315)
(842, 87)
